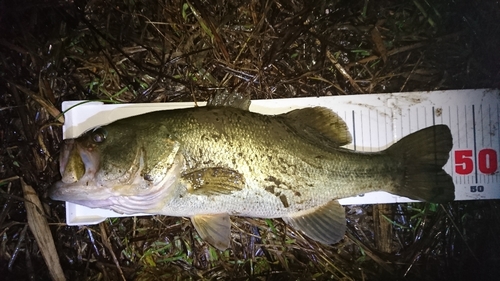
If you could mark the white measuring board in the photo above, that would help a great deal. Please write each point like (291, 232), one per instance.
(375, 121)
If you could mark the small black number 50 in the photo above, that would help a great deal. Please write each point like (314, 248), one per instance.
(476, 188)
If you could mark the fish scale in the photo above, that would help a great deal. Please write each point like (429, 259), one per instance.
(281, 159)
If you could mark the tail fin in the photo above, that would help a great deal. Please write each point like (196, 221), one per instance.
(423, 155)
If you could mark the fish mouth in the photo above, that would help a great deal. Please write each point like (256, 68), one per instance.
(71, 165)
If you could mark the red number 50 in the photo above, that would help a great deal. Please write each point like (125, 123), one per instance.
(487, 161)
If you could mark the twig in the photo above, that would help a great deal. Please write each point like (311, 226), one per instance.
(412, 71)
(43, 102)
(372, 255)
(107, 244)
(8, 179)
(389, 53)
(452, 219)
(344, 73)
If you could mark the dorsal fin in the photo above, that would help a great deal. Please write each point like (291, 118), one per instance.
(235, 100)
(322, 120)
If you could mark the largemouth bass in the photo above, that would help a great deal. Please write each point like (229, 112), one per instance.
(209, 163)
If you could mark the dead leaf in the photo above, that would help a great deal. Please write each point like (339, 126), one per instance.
(379, 43)
(40, 229)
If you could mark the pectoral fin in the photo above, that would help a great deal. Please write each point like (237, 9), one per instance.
(214, 181)
(325, 224)
(215, 229)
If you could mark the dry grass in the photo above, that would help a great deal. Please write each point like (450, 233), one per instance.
(161, 51)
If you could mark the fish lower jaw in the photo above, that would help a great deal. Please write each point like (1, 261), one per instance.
(79, 190)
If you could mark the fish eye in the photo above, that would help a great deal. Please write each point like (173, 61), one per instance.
(99, 135)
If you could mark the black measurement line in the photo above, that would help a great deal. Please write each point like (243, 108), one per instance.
(370, 130)
(474, 135)
(490, 123)
(409, 123)
(434, 116)
(452, 155)
(385, 125)
(482, 134)
(466, 127)
(378, 129)
(353, 130)
(498, 134)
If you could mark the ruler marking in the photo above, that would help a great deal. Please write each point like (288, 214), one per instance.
(385, 126)
(434, 116)
(378, 128)
(426, 115)
(452, 155)
(483, 119)
(353, 130)
(466, 128)
(498, 136)
(361, 117)
(418, 121)
(458, 129)
(401, 126)
(426, 123)
(370, 130)
(491, 124)
(465, 179)
(482, 124)
(475, 139)
(408, 116)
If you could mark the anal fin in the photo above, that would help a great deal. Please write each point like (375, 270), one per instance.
(325, 224)
(215, 229)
